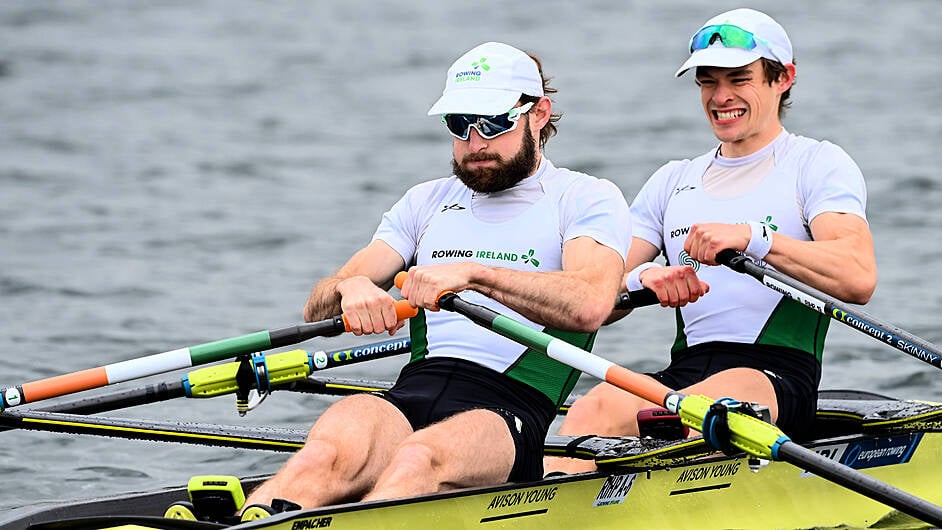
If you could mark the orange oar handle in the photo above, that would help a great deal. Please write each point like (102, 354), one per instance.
(401, 279)
(403, 311)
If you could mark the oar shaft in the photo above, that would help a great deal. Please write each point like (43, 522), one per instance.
(164, 391)
(558, 349)
(200, 434)
(880, 491)
(159, 363)
(746, 432)
(814, 299)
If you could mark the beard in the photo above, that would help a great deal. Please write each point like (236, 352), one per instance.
(505, 175)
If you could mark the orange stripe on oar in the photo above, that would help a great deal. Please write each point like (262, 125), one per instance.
(638, 384)
(65, 384)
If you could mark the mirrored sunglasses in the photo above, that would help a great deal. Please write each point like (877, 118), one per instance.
(730, 36)
(459, 125)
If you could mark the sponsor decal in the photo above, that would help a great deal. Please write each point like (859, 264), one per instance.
(684, 259)
(808, 301)
(678, 232)
(494, 255)
(474, 74)
(871, 452)
(366, 351)
(12, 397)
(452, 253)
(833, 452)
(320, 359)
(726, 469)
(615, 489)
(768, 222)
(516, 498)
(528, 258)
(879, 333)
(317, 522)
(875, 452)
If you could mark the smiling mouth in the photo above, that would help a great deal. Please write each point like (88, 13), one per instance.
(728, 115)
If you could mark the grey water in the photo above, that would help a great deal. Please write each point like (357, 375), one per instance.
(176, 172)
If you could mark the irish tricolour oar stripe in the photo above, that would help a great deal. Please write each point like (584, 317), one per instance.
(157, 363)
(575, 357)
(178, 359)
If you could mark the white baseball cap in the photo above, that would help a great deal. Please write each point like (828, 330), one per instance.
(709, 49)
(488, 80)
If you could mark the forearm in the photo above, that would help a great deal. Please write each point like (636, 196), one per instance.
(571, 300)
(838, 260)
(324, 300)
(844, 268)
(368, 274)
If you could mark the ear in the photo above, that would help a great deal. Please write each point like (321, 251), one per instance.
(540, 113)
(788, 78)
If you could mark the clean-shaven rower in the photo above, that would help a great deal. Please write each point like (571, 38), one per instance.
(795, 203)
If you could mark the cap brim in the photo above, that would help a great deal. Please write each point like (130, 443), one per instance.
(720, 57)
(481, 101)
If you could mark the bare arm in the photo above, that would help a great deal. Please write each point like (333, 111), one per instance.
(676, 286)
(839, 261)
(577, 298)
(358, 290)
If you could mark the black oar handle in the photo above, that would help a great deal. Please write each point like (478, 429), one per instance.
(639, 298)
(732, 259)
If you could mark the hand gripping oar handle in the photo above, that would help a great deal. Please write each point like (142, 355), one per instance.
(746, 432)
(181, 358)
(814, 299)
(633, 299)
(625, 301)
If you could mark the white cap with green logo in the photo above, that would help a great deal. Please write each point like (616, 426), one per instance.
(488, 80)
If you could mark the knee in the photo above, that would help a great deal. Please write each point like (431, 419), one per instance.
(603, 411)
(317, 455)
(415, 458)
(585, 410)
(602, 401)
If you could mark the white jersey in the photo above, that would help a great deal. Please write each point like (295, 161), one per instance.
(443, 221)
(809, 177)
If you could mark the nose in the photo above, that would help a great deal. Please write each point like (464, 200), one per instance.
(476, 142)
(722, 93)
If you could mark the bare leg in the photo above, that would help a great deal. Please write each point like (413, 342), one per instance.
(346, 450)
(472, 448)
(744, 384)
(605, 411)
(609, 411)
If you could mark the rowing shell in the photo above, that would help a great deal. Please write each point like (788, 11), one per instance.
(640, 484)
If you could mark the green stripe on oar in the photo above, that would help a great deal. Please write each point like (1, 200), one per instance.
(746, 432)
(530, 337)
(818, 301)
(177, 359)
(227, 348)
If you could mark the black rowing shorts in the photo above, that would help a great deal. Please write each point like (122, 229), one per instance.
(430, 390)
(794, 374)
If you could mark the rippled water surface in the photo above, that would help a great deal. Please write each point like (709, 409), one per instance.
(177, 172)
